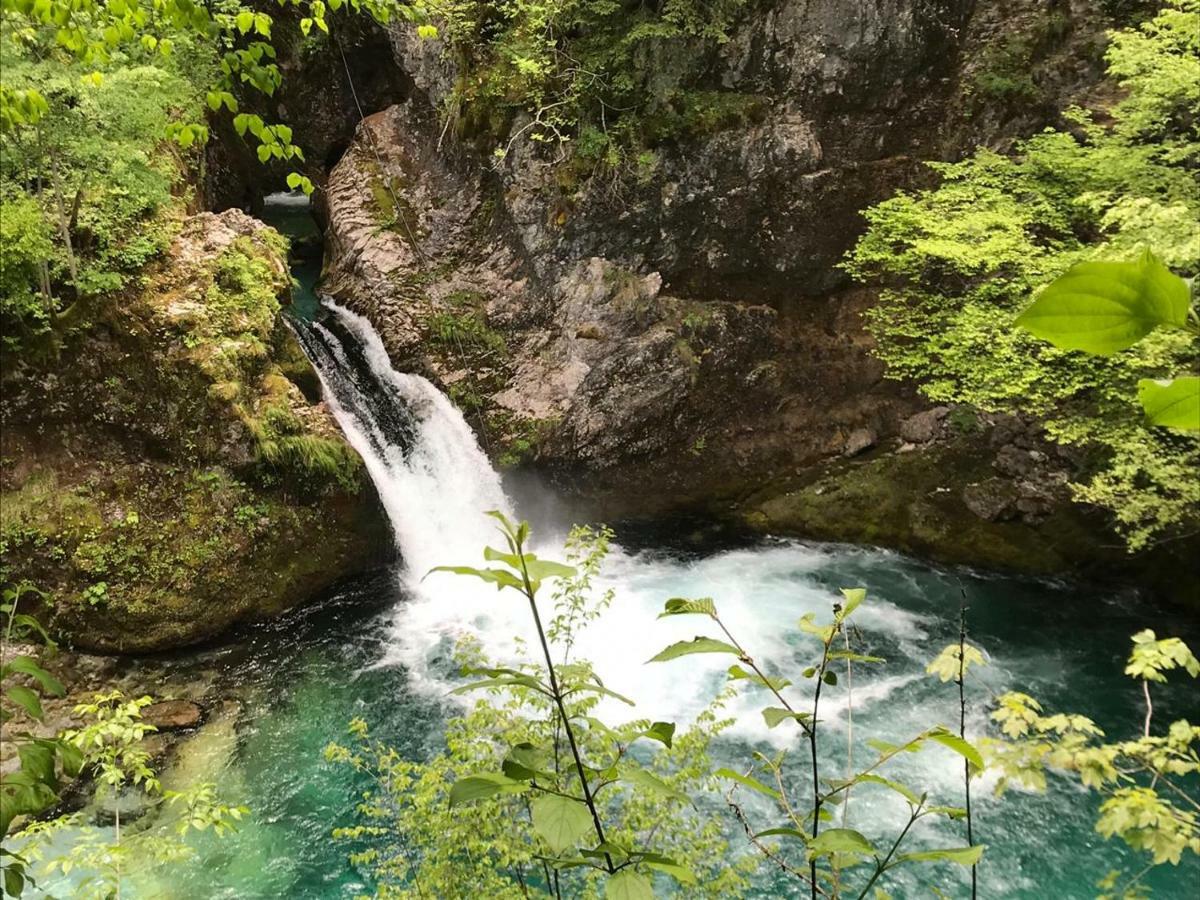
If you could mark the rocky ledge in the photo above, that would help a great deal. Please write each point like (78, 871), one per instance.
(164, 475)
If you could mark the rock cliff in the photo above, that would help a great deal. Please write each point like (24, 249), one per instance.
(164, 476)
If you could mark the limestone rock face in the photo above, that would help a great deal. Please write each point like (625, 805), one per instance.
(682, 334)
(163, 477)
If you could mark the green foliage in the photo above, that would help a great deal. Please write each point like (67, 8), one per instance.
(588, 72)
(24, 246)
(560, 802)
(111, 742)
(89, 191)
(1104, 307)
(955, 264)
(1148, 782)
(34, 785)
(830, 854)
(955, 661)
(101, 118)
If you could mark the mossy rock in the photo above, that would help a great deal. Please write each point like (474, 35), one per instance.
(182, 479)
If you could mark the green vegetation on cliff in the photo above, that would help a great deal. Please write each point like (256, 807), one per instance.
(589, 72)
(957, 262)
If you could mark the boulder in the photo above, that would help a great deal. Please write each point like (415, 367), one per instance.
(993, 500)
(173, 715)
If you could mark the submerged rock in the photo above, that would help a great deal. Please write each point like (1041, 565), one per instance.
(173, 715)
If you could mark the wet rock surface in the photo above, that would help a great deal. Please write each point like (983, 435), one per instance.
(138, 490)
(683, 336)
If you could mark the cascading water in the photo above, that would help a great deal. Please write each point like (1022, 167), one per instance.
(436, 483)
(432, 477)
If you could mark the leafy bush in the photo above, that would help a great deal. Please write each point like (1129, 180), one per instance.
(584, 69)
(569, 805)
(956, 262)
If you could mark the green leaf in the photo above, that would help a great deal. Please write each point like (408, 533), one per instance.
(783, 832)
(773, 715)
(663, 732)
(498, 577)
(959, 746)
(680, 873)
(14, 880)
(628, 885)
(737, 673)
(695, 645)
(244, 21)
(26, 666)
(72, 757)
(747, 781)
(1104, 307)
(480, 787)
(854, 597)
(26, 699)
(524, 763)
(264, 152)
(905, 792)
(601, 689)
(643, 779)
(560, 821)
(678, 606)
(840, 840)
(504, 681)
(964, 856)
(1172, 404)
(541, 569)
(293, 180)
(37, 760)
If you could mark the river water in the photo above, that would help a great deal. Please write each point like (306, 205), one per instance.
(379, 647)
(1063, 644)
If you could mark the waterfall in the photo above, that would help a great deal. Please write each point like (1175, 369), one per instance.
(434, 481)
(436, 484)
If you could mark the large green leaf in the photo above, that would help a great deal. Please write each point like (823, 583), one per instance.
(628, 885)
(560, 821)
(748, 781)
(37, 760)
(964, 856)
(959, 746)
(655, 785)
(1172, 404)
(498, 577)
(480, 787)
(25, 665)
(26, 699)
(840, 840)
(854, 597)
(773, 715)
(541, 569)
(695, 645)
(1103, 307)
(663, 732)
(679, 606)
(905, 792)
(601, 689)
(680, 873)
(737, 673)
(784, 831)
(525, 763)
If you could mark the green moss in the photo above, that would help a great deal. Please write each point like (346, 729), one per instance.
(520, 437)
(904, 500)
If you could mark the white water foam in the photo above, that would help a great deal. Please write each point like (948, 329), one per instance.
(435, 493)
